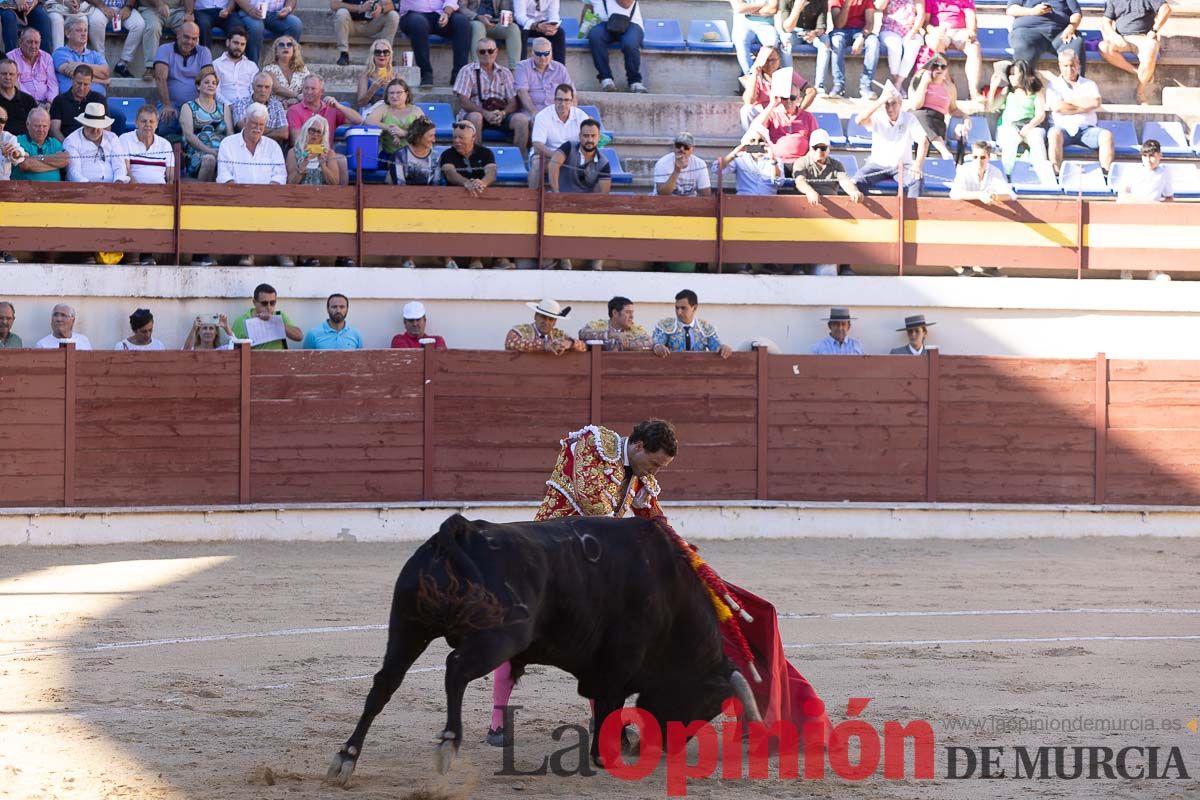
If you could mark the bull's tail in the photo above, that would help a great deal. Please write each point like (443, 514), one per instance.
(461, 603)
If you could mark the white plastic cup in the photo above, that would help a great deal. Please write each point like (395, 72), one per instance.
(117, 23)
(262, 9)
(425, 341)
(506, 18)
(406, 58)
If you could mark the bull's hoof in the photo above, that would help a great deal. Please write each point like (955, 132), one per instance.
(342, 768)
(495, 737)
(446, 751)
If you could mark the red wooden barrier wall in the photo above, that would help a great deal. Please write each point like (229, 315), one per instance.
(136, 429)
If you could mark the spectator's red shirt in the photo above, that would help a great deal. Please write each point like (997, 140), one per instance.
(409, 342)
(299, 114)
(948, 13)
(788, 134)
(858, 12)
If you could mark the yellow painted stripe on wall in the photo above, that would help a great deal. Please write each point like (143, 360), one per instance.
(267, 219)
(1142, 237)
(996, 234)
(462, 221)
(632, 226)
(110, 216)
(792, 229)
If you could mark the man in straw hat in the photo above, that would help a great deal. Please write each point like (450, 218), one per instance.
(838, 342)
(542, 336)
(95, 152)
(916, 327)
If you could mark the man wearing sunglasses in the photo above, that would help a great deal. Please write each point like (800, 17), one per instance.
(538, 77)
(487, 97)
(788, 127)
(893, 132)
(682, 173)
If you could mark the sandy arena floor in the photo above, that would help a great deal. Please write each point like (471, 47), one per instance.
(232, 671)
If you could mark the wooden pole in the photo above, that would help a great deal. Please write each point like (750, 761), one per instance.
(178, 203)
(1101, 423)
(900, 221)
(69, 399)
(596, 375)
(720, 218)
(932, 444)
(243, 350)
(427, 443)
(358, 209)
(761, 435)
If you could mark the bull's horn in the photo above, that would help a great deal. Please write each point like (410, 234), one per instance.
(741, 690)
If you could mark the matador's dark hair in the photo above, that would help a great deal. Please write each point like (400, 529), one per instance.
(656, 436)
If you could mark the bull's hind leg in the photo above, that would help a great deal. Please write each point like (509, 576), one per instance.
(404, 647)
(475, 657)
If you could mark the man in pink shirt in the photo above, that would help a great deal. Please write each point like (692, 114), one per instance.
(35, 67)
(788, 127)
(952, 24)
(313, 102)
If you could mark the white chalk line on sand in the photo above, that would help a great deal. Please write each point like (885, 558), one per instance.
(228, 637)
(1011, 640)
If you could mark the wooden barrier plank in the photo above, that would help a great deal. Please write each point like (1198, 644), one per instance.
(1147, 394)
(350, 363)
(626, 367)
(96, 431)
(899, 488)
(480, 415)
(842, 414)
(95, 363)
(534, 456)
(1154, 490)
(32, 490)
(1008, 368)
(1154, 417)
(681, 484)
(349, 487)
(856, 438)
(983, 415)
(361, 433)
(175, 444)
(273, 413)
(488, 386)
(27, 386)
(835, 461)
(1048, 439)
(717, 409)
(499, 485)
(175, 411)
(326, 387)
(805, 367)
(194, 488)
(1042, 488)
(988, 391)
(515, 365)
(44, 436)
(957, 460)
(873, 390)
(1120, 369)
(31, 462)
(100, 464)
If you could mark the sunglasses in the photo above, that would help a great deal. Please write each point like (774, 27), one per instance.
(3, 120)
(487, 51)
(820, 147)
(936, 67)
(679, 146)
(383, 52)
(282, 45)
(463, 126)
(541, 53)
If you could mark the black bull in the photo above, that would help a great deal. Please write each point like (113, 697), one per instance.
(611, 601)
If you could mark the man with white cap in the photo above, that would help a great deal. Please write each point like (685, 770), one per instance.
(916, 327)
(542, 336)
(838, 342)
(95, 152)
(414, 336)
(755, 170)
(818, 174)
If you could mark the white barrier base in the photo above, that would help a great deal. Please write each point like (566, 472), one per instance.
(727, 520)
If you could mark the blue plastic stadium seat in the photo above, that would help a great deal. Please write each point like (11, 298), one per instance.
(510, 167)
(663, 34)
(1034, 179)
(994, 42)
(849, 161)
(1125, 140)
(831, 123)
(594, 113)
(939, 174)
(441, 115)
(1170, 135)
(570, 28)
(857, 136)
(620, 176)
(1185, 180)
(1084, 177)
(977, 129)
(716, 31)
(128, 106)
(1195, 138)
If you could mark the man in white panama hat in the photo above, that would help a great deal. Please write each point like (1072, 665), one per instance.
(542, 336)
(95, 152)
(838, 342)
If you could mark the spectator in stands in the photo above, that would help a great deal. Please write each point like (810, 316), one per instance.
(76, 52)
(395, 116)
(379, 73)
(177, 65)
(208, 14)
(1134, 26)
(205, 121)
(788, 127)
(757, 94)
(682, 173)
(578, 167)
(262, 92)
(311, 161)
(472, 166)
(981, 180)
(206, 333)
(266, 306)
(892, 134)
(540, 18)
(538, 78)
(952, 25)
(62, 330)
(141, 323)
(277, 16)
(621, 22)
(250, 157)
(157, 16)
(72, 102)
(334, 333)
(542, 336)
(685, 333)
(802, 22)
(487, 97)
(933, 102)
(151, 160)
(1148, 182)
(900, 35)
(8, 339)
(619, 332)
(485, 24)
(27, 15)
(755, 169)
(95, 154)
(414, 329)
(818, 175)
(104, 16)
(753, 29)
(917, 329)
(314, 101)
(853, 32)
(1045, 27)
(375, 18)
(288, 70)
(420, 18)
(35, 67)
(15, 103)
(235, 69)
(10, 151)
(553, 127)
(45, 158)
(1073, 101)
(1017, 93)
(838, 342)
(414, 164)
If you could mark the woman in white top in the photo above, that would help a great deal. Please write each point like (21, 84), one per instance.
(141, 322)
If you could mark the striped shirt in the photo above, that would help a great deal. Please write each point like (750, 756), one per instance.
(498, 85)
(148, 164)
